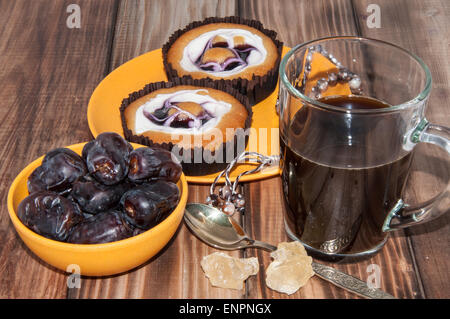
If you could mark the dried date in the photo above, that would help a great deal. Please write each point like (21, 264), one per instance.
(59, 169)
(94, 197)
(49, 214)
(107, 158)
(104, 227)
(148, 204)
(149, 163)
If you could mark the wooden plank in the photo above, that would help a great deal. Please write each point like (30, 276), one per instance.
(48, 73)
(143, 26)
(423, 28)
(40, 56)
(176, 272)
(297, 22)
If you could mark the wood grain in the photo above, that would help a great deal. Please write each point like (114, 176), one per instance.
(143, 26)
(48, 73)
(421, 27)
(265, 222)
(298, 21)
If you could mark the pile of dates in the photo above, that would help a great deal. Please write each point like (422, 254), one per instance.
(110, 192)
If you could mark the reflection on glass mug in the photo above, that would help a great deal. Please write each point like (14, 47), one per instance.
(351, 113)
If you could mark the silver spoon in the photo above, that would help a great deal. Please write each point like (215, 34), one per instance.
(223, 232)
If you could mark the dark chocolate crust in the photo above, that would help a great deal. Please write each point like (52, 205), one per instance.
(191, 169)
(256, 89)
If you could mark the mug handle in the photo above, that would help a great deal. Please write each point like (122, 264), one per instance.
(404, 215)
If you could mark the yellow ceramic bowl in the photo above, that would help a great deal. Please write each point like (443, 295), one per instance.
(99, 259)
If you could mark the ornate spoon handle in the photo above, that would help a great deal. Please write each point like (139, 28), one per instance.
(336, 277)
(349, 283)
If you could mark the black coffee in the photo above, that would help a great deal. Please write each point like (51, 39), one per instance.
(354, 102)
(330, 205)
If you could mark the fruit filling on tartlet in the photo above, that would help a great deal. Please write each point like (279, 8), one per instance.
(186, 116)
(223, 52)
(187, 111)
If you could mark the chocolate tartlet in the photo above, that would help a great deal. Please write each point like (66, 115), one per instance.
(201, 122)
(240, 52)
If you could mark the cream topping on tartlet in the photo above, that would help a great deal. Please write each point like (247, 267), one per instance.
(243, 49)
(181, 112)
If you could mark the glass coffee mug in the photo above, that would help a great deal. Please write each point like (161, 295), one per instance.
(351, 112)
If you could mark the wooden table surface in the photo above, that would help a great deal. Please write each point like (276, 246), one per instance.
(48, 72)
